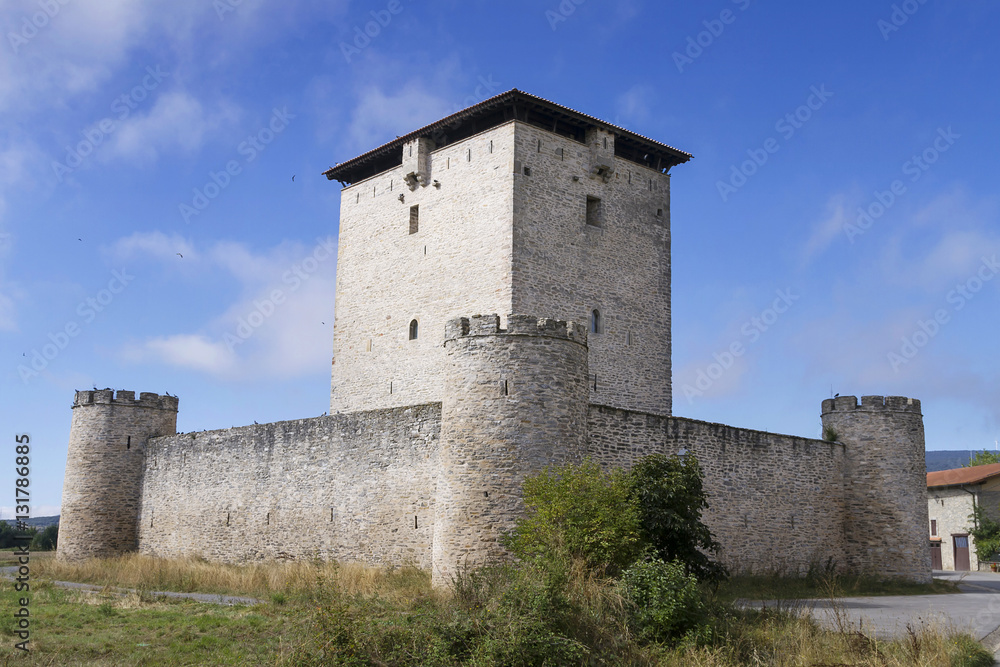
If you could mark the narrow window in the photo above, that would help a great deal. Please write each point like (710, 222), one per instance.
(414, 218)
(468, 155)
(413, 329)
(128, 443)
(491, 145)
(593, 211)
(414, 522)
(562, 153)
(539, 146)
(368, 345)
(933, 527)
(411, 150)
(448, 164)
(595, 321)
(268, 519)
(628, 337)
(605, 143)
(659, 213)
(527, 171)
(227, 518)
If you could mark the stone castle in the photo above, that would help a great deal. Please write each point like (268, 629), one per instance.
(559, 223)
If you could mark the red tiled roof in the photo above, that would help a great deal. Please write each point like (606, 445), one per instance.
(973, 475)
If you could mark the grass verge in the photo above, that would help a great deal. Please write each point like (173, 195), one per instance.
(318, 614)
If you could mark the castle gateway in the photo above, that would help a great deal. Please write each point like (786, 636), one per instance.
(503, 303)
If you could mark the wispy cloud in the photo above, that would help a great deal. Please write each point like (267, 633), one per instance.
(281, 325)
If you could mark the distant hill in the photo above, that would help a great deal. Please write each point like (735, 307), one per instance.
(38, 521)
(949, 459)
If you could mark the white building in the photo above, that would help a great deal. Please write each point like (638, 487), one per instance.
(951, 497)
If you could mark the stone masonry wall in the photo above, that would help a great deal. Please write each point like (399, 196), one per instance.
(356, 487)
(565, 268)
(951, 507)
(105, 464)
(775, 501)
(515, 402)
(456, 263)
(886, 499)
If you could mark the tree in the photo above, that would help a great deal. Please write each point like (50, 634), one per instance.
(669, 493)
(45, 540)
(985, 532)
(983, 458)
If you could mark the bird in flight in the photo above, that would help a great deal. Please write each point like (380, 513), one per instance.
(293, 178)
(180, 255)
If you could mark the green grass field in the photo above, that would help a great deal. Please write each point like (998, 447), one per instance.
(324, 614)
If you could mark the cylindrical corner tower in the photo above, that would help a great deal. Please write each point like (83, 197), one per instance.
(885, 482)
(104, 470)
(515, 401)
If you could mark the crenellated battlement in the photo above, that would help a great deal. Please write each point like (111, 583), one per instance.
(517, 325)
(147, 399)
(871, 403)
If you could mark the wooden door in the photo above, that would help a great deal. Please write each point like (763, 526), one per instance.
(961, 546)
(935, 555)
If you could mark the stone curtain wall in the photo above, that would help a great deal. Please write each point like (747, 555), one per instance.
(104, 469)
(457, 263)
(565, 268)
(356, 487)
(776, 501)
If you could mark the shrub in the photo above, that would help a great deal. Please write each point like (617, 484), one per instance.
(667, 602)
(669, 495)
(985, 533)
(579, 511)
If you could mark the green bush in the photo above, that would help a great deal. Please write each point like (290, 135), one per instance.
(985, 532)
(45, 540)
(666, 600)
(579, 511)
(670, 497)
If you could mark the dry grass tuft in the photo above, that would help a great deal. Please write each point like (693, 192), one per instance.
(253, 579)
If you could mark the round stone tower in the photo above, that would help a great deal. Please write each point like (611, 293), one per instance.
(885, 494)
(104, 469)
(515, 401)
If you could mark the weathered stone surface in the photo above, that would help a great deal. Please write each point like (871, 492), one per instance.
(105, 468)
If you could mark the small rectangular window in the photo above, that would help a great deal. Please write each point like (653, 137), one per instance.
(594, 212)
(933, 527)
(414, 218)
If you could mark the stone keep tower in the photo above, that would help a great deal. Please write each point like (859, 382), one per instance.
(886, 492)
(515, 401)
(514, 205)
(104, 469)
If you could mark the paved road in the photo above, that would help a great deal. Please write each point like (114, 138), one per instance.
(213, 598)
(975, 610)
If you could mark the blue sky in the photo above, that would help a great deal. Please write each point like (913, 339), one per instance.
(837, 227)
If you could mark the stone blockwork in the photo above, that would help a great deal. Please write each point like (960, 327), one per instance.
(456, 262)
(498, 222)
(356, 487)
(620, 267)
(515, 402)
(885, 510)
(950, 507)
(105, 467)
(775, 501)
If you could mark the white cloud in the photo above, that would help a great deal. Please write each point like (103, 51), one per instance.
(156, 244)
(829, 228)
(633, 107)
(193, 351)
(380, 117)
(280, 326)
(177, 122)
